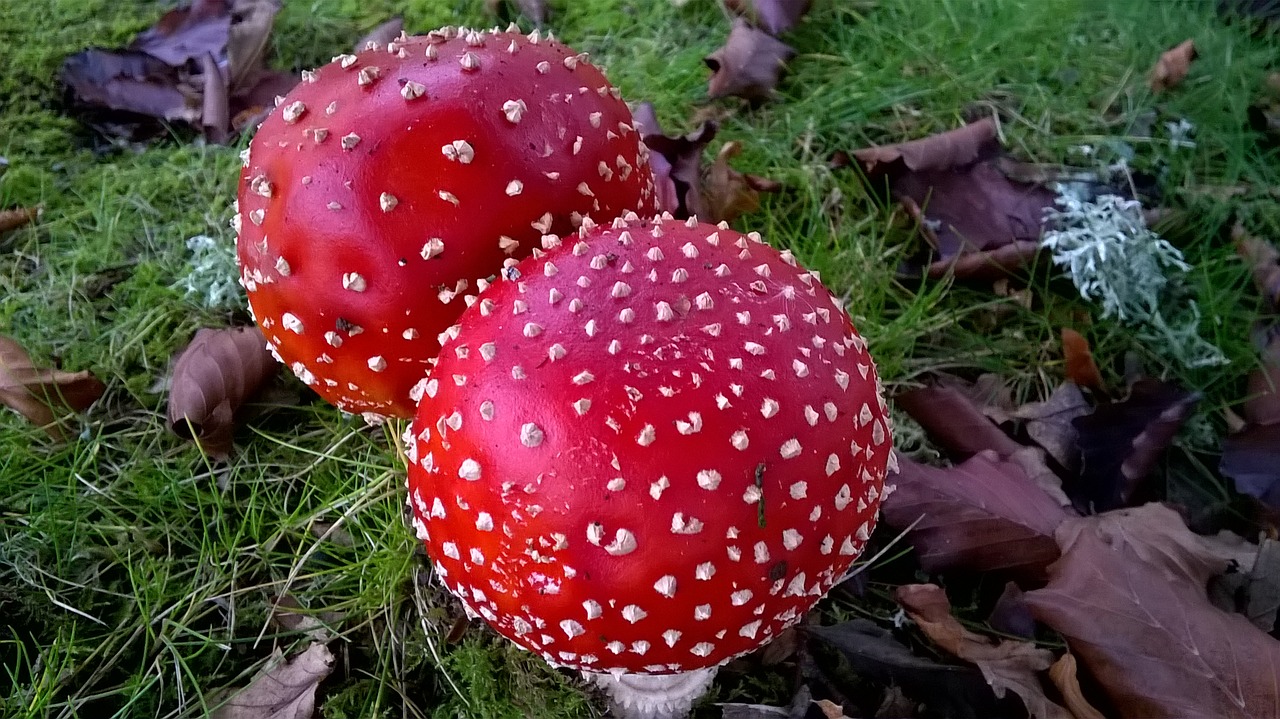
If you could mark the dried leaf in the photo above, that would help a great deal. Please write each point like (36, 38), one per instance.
(954, 421)
(129, 82)
(727, 193)
(1263, 260)
(773, 16)
(748, 65)
(19, 217)
(1172, 66)
(1129, 596)
(1251, 456)
(282, 690)
(1050, 424)
(1081, 369)
(248, 38)
(873, 653)
(381, 35)
(215, 115)
(43, 396)
(1120, 442)
(982, 224)
(676, 162)
(983, 515)
(1063, 676)
(212, 378)
(1011, 614)
(1010, 665)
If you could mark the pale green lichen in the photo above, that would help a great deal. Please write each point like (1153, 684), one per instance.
(212, 280)
(1116, 260)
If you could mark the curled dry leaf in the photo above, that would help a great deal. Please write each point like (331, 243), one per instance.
(982, 224)
(748, 65)
(773, 16)
(1264, 262)
(1129, 597)
(43, 396)
(1063, 676)
(381, 35)
(18, 217)
(212, 378)
(1251, 457)
(727, 193)
(1172, 66)
(1010, 665)
(1051, 423)
(1081, 369)
(1120, 443)
(676, 161)
(986, 514)
(282, 690)
(954, 421)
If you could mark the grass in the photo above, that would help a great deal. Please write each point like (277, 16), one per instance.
(138, 576)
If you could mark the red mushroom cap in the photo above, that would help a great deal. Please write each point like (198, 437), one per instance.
(391, 182)
(653, 451)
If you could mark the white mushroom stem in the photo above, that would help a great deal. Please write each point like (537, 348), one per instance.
(653, 696)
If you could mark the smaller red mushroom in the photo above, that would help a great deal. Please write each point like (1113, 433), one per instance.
(391, 183)
(651, 452)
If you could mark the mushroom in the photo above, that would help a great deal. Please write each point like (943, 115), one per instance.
(391, 183)
(651, 453)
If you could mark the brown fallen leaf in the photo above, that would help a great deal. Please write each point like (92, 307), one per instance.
(212, 378)
(1011, 615)
(1264, 262)
(676, 162)
(773, 16)
(1063, 676)
(19, 217)
(727, 193)
(1251, 456)
(1050, 423)
(1010, 665)
(164, 75)
(284, 689)
(1129, 597)
(982, 224)
(1172, 66)
(1120, 443)
(986, 514)
(954, 421)
(1081, 369)
(748, 65)
(43, 396)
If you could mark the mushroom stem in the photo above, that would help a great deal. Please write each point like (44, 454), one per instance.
(653, 696)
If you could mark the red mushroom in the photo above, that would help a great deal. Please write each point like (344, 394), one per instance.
(390, 183)
(651, 452)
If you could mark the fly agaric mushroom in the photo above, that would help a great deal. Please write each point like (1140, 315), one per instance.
(651, 453)
(391, 182)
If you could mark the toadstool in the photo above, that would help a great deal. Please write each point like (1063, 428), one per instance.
(651, 453)
(390, 183)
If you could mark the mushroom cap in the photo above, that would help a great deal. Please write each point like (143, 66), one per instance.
(652, 452)
(389, 183)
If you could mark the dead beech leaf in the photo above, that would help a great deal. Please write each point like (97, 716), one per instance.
(676, 162)
(748, 65)
(43, 396)
(1251, 456)
(982, 224)
(282, 690)
(1063, 676)
(1172, 66)
(727, 193)
(19, 217)
(1050, 423)
(1129, 597)
(212, 378)
(1120, 443)
(1081, 369)
(983, 515)
(954, 421)
(1010, 665)
(1264, 262)
(773, 16)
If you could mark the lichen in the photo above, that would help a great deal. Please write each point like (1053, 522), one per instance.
(1114, 259)
(212, 279)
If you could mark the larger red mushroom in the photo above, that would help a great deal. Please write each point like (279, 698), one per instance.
(392, 182)
(651, 452)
